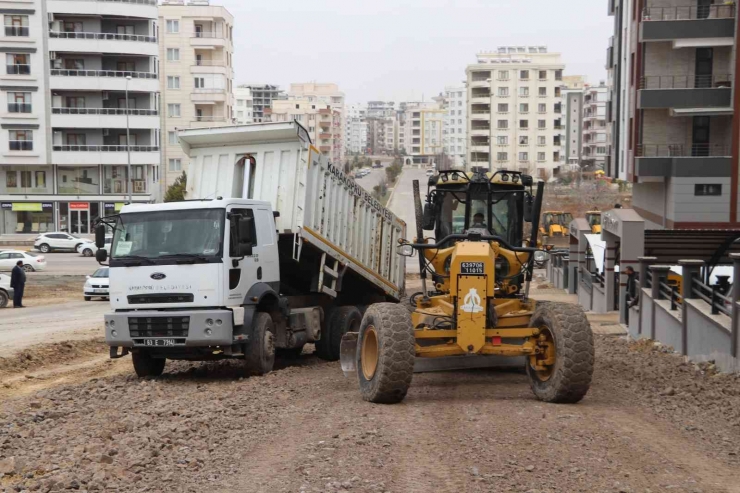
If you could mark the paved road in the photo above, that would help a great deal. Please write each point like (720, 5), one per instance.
(69, 264)
(20, 328)
(402, 205)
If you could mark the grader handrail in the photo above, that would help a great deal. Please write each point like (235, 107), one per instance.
(474, 237)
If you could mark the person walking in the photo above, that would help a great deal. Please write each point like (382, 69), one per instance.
(18, 283)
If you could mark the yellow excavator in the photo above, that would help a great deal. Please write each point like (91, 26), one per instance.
(594, 221)
(474, 301)
(555, 223)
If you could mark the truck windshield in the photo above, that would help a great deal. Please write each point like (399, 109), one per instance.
(170, 233)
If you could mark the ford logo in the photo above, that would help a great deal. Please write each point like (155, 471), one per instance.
(157, 276)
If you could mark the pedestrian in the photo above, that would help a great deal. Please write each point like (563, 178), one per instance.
(631, 298)
(18, 283)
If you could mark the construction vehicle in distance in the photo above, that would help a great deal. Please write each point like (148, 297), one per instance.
(594, 221)
(555, 228)
(478, 302)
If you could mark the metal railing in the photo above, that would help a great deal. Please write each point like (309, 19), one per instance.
(209, 63)
(210, 119)
(103, 111)
(18, 69)
(714, 81)
(16, 31)
(692, 12)
(712, 295)
(141, 2)
(670, 292)
(208, 34)
(103, 36)
(21, 145)
(19, 108)
(103, 73)
(104, 148)
(203, 90)
(683, 150)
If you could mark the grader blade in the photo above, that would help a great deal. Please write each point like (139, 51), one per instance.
(348, 353)
(428, 365)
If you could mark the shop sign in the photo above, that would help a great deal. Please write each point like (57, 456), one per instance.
(110, 206)
(26, 206)
(79, 206)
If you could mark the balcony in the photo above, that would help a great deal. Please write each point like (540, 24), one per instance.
(94, 118)
(481, 116)
(16, 31)
(685, 91)
(89, 42)
(480, 82)
(683, 160)
(18, 69)
(103, 80)
(690, 22)
(208, 95)
(122, 8)
(109, 154)
(479, 148)
(20, 108)
(480, 131)
(325, 148)
(210, 67)
(208, 40)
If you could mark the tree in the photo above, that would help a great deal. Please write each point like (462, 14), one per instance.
(176, 191)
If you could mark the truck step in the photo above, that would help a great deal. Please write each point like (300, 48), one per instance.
(331, 272)
(329, 291)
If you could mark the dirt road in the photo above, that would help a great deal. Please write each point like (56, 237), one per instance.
(650, 423)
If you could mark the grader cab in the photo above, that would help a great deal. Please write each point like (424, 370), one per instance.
(478, 302)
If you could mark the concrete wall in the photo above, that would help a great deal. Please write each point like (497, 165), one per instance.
(668, 325)
(584, 296)
(709, 336)
(647, 317)
(599, 304)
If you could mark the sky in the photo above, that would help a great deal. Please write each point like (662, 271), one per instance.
(406, 50)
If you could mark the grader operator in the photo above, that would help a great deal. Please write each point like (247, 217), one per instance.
(478, 301)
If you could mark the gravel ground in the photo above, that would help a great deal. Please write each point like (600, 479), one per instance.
(651, 422)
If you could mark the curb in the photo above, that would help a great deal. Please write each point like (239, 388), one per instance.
(390, 197)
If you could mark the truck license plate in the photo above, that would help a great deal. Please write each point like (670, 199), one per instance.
(159, 342)
(472, 268)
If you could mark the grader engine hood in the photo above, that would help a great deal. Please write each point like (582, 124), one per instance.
(472, 282)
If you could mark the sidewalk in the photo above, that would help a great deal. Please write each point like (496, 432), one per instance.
(601, 323)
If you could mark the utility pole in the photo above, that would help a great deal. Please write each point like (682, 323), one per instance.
(128, 146)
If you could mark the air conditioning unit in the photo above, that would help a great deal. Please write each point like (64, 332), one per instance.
(106, 132)
(106, 95)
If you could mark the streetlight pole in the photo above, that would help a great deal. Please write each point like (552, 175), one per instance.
(128, 146)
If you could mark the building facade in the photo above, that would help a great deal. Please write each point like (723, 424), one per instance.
(324, 124)
(330, 97)
(455, 131)
(423, 132)
(196, 52)
(244, 109)
(262, 97)
(78, 75)
(595, 135)
(673, 122)
(355, 125)
(515, 108)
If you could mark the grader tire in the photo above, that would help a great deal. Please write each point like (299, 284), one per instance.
(570, 377)
(385, 353)
(340, 320)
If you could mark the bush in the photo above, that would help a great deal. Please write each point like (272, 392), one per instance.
(176, 191)
(392, 172)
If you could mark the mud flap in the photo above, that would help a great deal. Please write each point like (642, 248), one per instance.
(348, 353)
(114, 352)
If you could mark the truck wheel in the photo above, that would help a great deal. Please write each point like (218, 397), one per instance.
(259, 358)
(562, 372)
(385, 353)
(146, 366)
(3, 299)
(341, 320)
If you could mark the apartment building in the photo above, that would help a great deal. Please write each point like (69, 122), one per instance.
(571, 136)
(328, 95)
(380, 109)
(595, 140)
(196, 53)
(515, 108)
(244, 110)
(455, 130)
(324, 124)
(672, 114)
(355, 129)
(79, 77)
(262, 97)
(423, 132)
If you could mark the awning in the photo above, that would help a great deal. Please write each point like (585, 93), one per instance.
(598, 247)
(701, 111)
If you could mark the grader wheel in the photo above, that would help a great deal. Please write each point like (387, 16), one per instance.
(385, 353)
(562, 372)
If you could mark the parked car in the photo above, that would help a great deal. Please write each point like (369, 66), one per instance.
(97, 285)
(377, 165)
(49, 242)
(32, 261)
(88, 248)
(6, 292)
(430, 172)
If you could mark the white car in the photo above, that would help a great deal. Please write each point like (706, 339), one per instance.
(88, 249)
(97, 285)
(6, 293)
(32, 261)
(48, 242)
(430, 172)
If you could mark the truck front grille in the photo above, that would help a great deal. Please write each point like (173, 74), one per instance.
(158, 326)
(148, 299)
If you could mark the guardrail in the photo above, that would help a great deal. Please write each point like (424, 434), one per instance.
(103, 36)
(103, 73)
(713, 296)
(103, 111)
(691, 12)
(682, 150)
(670, 292)
(714, 81)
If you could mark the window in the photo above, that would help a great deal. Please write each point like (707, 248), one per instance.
(524, 91)
(172, 138)
(543, 92)
(601, 150)
(175, 165)
(19, 102)
(200, 82)
(503, 124)
(125, 29)
(558, 75)
(74, 64)
(503, 108)
(173, 27)
(21, 140)
(523, 108)
(16, 25)
(173, 54)
(523, 156)
(541, 123)
(542, 140)
(543, 74)
(173, 82)
(540, 156)
(503, 91)
(126, 66)
(503, 75)
(75, 102)
(708, 190)
(71, 27)
(524, 124)
(76, 139)
(18, 64)
(542, 108)
(502, 140)
(523, 140)
(173, 110)
(26, 179)
(502, 156)
(524, 74)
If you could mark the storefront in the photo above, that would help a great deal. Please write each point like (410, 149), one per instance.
(78, 218)
(26, 217)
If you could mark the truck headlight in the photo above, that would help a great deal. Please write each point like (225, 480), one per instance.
(209, 322)
(114, 333)
(112, 323)
(208, 332)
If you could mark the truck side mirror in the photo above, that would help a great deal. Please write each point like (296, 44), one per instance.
(245, 235)
(428, 220)
(101, 255)
(100, 235)
(528, 208)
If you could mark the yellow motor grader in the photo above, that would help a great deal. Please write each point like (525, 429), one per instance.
(478, 302)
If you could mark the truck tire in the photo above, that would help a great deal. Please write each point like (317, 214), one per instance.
(385, 353)
(146, 366)
(3, 299)
(567, 380)
(339, 321)
(259, 357)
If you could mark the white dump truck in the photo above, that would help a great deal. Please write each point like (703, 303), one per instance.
(274, 248)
